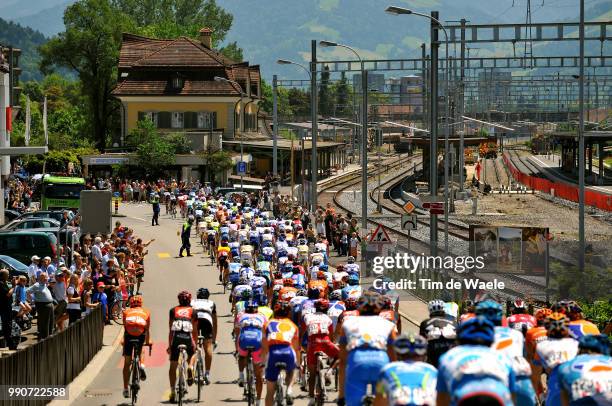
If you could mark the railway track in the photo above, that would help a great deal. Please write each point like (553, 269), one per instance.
(504, 176)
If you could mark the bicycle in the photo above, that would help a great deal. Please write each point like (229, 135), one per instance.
(280, 395)
(368, 398)
(303, 373)
(181, 384)
(320, 392)
(199, 366)
(135, 369)
(249, 387)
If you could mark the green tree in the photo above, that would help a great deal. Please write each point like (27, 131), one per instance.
(90, 46)
(175, 18)
(218, 162)
(267, 104)
(326, 96)
(153, 151)
(342, 91)
(299, 101)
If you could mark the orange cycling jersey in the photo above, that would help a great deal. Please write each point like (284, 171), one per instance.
(136, 320)
(287, 293)
(388, 315)
(466, 316)
(280, 331)
(320, 284)
(534, 335)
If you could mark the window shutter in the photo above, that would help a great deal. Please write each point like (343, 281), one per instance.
(191, 119)
(214, 120)
(141, 115)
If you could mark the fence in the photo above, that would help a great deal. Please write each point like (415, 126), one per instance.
(562, 190)
(56, 360)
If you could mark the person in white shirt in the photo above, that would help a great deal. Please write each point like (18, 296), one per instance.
(96, 249)
(34, 268)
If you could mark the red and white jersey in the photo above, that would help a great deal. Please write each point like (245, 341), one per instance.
(317, 323)
(522, 322)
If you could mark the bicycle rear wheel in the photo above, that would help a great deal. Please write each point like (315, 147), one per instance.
(135, 381)
(249, 386)
(199, 377)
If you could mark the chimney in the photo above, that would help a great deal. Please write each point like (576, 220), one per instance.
(206, 37)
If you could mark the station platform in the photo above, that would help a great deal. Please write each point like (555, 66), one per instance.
(549, 167)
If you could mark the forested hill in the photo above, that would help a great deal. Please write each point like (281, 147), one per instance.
(28, 41)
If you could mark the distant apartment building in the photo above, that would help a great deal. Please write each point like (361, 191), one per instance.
(406, 90)
(494, 89)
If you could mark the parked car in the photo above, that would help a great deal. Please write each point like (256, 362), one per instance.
(62, 235)
(54, 214)
(31, 223)
(10, 215)
(16, 268)
(22, 245)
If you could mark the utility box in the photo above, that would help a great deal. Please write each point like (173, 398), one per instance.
(95, 210)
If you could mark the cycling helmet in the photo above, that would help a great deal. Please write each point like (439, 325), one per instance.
(246, 294)
(184, 298)
(387, 304)
(136, 301)
(557, 325)
(435, 307)
(350, 260)
(288, 282)
(541, 315)
(246, 262)
(574, 311)
(190, 219)
(340, 268)
(302, 292)
(278, 275)
(243, 280)
(477, 330)
(203, 293)
(263, 300)
(281, 309)
(250, 307)
(369, 303)
(519, 305)
(351, 303)
(412, 344)
(323, 267)
(492, 310)
(322, 305)
(353, 280)
(560, 307)
(316, 261)
(321, 276)
(335, 295)
(597, 343)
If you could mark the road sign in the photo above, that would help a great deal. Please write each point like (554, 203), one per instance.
(380, 235)
(409, 207)
(241, 168)
(409, 222)
(430, 199)
(434, 207)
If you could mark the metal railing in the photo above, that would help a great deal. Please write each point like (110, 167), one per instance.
(56, 360)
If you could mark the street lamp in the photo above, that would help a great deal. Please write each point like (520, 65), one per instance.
(241, 125)
(364, 131)
(394, 10)
(288, 62)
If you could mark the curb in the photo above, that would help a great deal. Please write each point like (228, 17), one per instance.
(87, 375)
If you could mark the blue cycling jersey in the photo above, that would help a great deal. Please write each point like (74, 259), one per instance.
(408, 383)
(587, 379)
(467, 370)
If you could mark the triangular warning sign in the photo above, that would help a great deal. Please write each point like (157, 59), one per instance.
(380, 235)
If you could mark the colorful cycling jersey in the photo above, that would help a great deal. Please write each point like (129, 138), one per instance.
(268, 253)
(182, 318)
(203, 308)
(292, 251)
(321, 285)
(366, 332)
(352, 268)
(534, 336)
(237, 292)
(351, 291)
(579, 328)
(250, 320)
(451, 309)
(266, 311)
(335, 310)
(469, 369)
(286, 293)
(408, 383)
(317, 323)
(280, 331)
(509, 341)
(587, 379)
(258, 282)
(136, 320)
(550, 354)
(299, 281)
(522, 322)
(223, 251)
(247, 272)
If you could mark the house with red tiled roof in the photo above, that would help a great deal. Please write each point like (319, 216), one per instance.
(172, 83)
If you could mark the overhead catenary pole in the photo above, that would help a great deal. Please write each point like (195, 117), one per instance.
(433, 129)
(462, 107)
(581, 152)
(275, 124)
(313, 110)
(364, 150)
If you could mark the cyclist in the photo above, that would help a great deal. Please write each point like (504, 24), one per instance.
(577, 325)
(511, 343)
(409, 380)
(183, 330)
(351, 267)
(472, 372)
(136, 323)
(318, 327)
(206, 311)
(536, 334)
(557, 349)
(363, 349)
(249, 330)
(586, 379)
(439, 330)
(281, 345)
(521, 320)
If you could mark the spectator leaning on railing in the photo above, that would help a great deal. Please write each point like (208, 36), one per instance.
(6, 298)
(43, 301)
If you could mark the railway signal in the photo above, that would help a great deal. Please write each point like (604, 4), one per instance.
(409, 222)
(434, 207)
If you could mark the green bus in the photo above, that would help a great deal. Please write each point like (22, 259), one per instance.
(61, 192)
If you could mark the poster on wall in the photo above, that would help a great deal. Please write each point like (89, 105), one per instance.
(509, 250)
(534, 250)
(484, 244)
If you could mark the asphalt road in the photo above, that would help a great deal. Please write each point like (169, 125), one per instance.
(166, 275)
